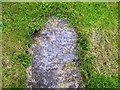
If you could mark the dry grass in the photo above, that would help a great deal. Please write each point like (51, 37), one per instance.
(105, 50)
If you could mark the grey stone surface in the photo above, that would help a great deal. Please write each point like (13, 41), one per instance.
(54, 57)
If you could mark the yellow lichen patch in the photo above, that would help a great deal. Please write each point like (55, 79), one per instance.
(39, 43)
(62, 85)
(69, 66)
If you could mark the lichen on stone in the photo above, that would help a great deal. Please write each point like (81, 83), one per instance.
(54, 56)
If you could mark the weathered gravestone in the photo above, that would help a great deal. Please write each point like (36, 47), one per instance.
(54, 63)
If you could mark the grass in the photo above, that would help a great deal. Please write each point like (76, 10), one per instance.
(96, 25)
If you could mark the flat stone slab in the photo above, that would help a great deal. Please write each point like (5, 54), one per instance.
(54, 56)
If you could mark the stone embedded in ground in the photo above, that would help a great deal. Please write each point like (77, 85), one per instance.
(54, 57)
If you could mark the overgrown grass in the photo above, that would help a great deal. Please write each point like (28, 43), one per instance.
(20, 20)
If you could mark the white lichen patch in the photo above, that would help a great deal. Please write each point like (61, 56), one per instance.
(54, 56)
